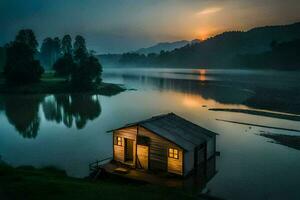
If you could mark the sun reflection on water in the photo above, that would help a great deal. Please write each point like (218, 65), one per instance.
(202, 75)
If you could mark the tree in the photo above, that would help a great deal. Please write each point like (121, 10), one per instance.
(51, 51)
(80, 50)
(87, 72)
(47, 56)
(67, 44)
(56, 48)
(84, 68)
(64, 66)
(2, 59)
(21, 66)
(27, 37)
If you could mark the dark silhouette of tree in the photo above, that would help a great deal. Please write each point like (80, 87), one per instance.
(82, 67)
(67, 45)
(51, 51)
(47, 56)
(64, 66)
(2, 59)
(80, 50)
(57, 48)
(87, 72)
(283, 56)
(21, 66)
(26, 36)
(69, 109)
(22, 113)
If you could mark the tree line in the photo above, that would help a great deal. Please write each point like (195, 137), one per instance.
(281, 55)
(234, 49)
(69, 60)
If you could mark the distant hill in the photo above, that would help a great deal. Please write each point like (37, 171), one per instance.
(163, 46)
(112, 60)
(220, 51)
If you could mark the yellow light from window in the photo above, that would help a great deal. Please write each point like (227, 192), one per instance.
(176, 153)
(119, 141)
(171, 153)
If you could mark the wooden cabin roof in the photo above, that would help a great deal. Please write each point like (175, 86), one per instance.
(176, 129)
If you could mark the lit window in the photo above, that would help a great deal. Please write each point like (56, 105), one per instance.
(173, 153)
(118, 141)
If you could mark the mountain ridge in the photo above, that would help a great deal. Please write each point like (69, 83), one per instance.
(164, 46)
(223, 49)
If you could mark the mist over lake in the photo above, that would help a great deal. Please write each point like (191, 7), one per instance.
(69, 131)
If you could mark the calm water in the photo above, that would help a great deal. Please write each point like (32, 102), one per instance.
(70, 131)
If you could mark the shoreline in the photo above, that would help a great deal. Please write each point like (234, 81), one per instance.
(60, 87)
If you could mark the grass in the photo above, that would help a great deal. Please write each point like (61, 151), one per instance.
(49, 84)
(29, 183)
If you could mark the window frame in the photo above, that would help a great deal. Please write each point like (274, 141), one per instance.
(171, 153)
(117, 141)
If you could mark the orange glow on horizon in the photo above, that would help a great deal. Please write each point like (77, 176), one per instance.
(206, 33)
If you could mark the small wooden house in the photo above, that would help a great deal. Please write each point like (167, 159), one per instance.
(165, 143)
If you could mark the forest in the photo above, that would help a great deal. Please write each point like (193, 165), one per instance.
(24, 62)
(272, 47)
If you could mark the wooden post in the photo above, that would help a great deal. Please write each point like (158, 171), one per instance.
(136, 142)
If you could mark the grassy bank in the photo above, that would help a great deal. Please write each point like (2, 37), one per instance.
(32, 184)
(49, 84)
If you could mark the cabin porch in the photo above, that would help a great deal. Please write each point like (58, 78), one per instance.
(196, 180)
(125, 171)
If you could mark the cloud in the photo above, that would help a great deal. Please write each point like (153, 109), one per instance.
(209, 11)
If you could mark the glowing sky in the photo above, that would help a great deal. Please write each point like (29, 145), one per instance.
(122, 25)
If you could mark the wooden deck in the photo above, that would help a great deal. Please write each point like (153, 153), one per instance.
(143, 176)
(195, 181)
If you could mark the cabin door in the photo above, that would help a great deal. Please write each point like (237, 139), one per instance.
(128, 150)
(143, 156)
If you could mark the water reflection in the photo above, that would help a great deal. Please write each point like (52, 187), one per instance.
(220, 92)
(250, 88)
(22, 113)
(198, 181)
(202, 75)
(72, 109)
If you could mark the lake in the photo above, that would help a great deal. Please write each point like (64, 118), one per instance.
(70, 131)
